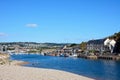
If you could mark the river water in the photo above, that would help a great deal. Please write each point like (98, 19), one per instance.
(97, 69)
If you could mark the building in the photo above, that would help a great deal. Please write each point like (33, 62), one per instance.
(3, 48)
(97, 45)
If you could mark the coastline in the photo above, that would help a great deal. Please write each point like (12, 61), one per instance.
(14, 71)
(18, 63)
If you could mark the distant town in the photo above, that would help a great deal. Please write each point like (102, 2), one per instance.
(108, 46)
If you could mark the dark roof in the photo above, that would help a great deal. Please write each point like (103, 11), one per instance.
(98, 41)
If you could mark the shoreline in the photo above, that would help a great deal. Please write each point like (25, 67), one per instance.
(15, 71)
(18, 63)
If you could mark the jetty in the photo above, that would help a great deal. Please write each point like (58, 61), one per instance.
(105, 57)
(109, 57)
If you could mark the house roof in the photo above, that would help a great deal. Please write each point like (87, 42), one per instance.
(98, 41)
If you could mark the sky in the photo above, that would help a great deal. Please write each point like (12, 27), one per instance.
(58, 21)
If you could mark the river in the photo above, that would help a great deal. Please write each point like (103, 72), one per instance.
(97, 69)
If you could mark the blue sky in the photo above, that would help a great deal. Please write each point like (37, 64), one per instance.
(58, 21)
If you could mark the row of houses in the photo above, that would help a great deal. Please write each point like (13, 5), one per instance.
(93, 46)
(101, 45)
(97, 45)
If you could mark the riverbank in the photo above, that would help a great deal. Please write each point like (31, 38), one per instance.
(16, 72)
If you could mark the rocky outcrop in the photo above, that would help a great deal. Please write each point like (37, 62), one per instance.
(116, 37)
(117, 47)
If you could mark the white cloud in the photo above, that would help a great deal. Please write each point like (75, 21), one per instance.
(32, 25)
(3, 34)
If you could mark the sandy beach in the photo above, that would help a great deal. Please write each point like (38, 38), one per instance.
(16, 72)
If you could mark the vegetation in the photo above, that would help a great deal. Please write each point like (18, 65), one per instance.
(116, 36)
(10, 48)
(72, 45)
(83, 46)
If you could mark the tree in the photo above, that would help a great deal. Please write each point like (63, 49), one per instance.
(72, 45)
(83, 46)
